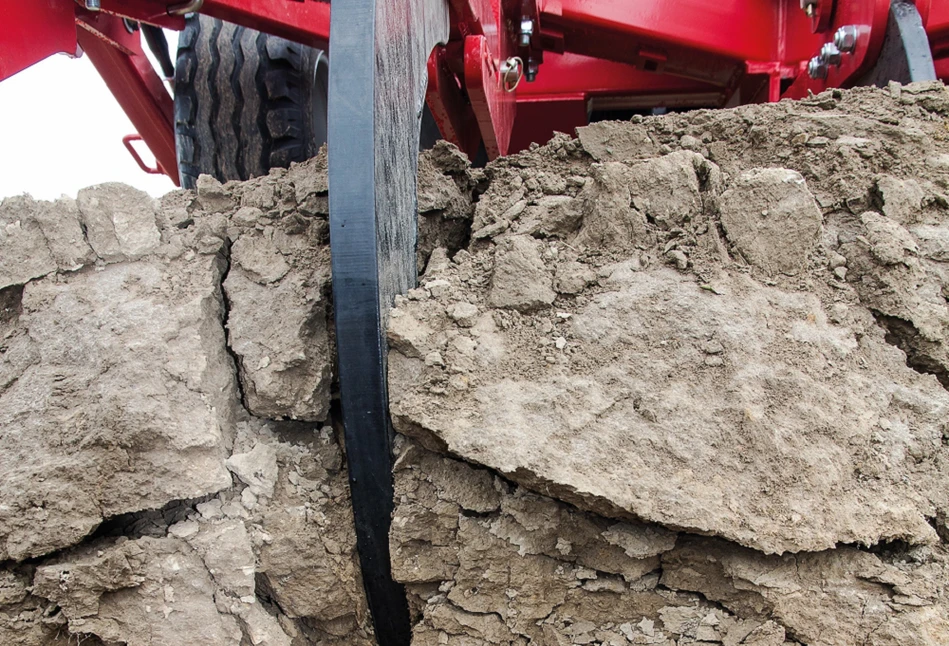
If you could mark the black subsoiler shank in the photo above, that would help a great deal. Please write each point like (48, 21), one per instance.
(378, 55)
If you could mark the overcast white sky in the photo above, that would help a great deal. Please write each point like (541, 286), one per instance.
(61, 130)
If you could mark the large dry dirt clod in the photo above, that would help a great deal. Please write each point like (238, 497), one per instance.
(666, 189)
(902, 200)
(278, 295)
(843, 596)
(126, 593)
(119, 221)
(771, 218)
(607, 215)
(117, 396)
(37, 238)
(654, 387)
(904, 288)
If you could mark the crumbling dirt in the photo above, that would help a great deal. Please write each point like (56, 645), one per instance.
(678, 380)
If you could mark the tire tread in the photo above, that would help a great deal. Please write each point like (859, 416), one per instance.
(242, 101)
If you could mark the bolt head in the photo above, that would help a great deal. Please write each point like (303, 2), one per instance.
(845, 38)
(93, 5)
(830, 54)
(817, 68)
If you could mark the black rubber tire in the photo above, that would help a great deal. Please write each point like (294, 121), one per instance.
(245, 101)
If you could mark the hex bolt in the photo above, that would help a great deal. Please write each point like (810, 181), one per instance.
(527, 30)
(530, 73)
(809, 7)
(830, 54)
(817, 68)
(845, 38)
(93, 5)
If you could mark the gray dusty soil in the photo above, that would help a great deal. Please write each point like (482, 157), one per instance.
(672, 381)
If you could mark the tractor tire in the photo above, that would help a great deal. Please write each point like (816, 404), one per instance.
(245, 101)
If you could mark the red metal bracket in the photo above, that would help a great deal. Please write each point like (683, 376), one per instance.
(868, 16)
(450, 108)
(493, 106)
(33, 31)
(127, 141)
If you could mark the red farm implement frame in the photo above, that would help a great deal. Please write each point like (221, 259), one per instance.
(497, 74)
(579, 55)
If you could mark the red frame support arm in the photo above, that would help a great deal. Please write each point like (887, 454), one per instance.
(118, 57)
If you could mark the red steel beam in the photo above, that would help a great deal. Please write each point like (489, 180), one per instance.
(593, 77)
(698, 39)
(154, 12)
(302, 21)
(733, 29)
(450, 108)
(569, 86)
(870, 17)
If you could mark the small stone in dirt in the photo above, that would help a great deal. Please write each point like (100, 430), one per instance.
(679, 258)
(902, 199)
(257, 468)
(463, 314)
(889, 242)
(572, 278)
(184, 529)
(210, 509)
(211, 195)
